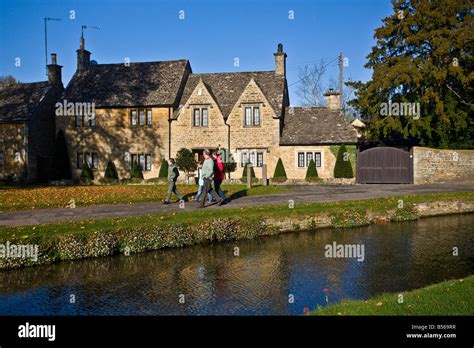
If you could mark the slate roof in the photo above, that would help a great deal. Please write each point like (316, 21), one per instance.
(18, 102)
(314, 126)
(226, 88)
(139, 84)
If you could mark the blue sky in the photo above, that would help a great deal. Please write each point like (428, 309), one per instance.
(212, 34)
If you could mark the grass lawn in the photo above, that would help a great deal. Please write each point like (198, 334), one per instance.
(250, 213)
(452, 297)
(36, 197)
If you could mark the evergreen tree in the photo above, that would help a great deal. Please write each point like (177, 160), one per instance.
(136, 171)
(111, 171)
(343, 167)
(163, 169)
(311, 172)
(280, 173)
(423, 54)
(243, 179)
(86, 174)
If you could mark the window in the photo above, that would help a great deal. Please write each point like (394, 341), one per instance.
(95, 161)
(80, 160)
(92, 120)
(141, 117)
(248, 116)
(143, 160)
(204, 120)
(301, 159)
(2, 159)
(244, 158)
(148, 162)
(133, 117)
(148, 117)
(309, 157)
(317, 159)
(89, 159)
(196, 118)
(252, 116)
(256, 116)
(252, 159)
(134, 158)
(78, 121)
(259, 159)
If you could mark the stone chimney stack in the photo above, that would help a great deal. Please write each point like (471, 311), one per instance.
(54, 72)
(280, 61)
(83, 57)
(333, 100)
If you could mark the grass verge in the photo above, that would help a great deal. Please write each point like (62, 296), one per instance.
(452, 297)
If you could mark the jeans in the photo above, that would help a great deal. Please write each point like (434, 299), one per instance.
(198, 194)
(172, 189)
(208, 190)
(217, 187)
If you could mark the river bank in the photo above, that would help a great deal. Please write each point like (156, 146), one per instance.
(452, 297)
(106, 237)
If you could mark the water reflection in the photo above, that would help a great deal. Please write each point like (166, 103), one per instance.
(258, 282)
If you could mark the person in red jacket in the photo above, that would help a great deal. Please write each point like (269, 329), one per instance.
(219, 174)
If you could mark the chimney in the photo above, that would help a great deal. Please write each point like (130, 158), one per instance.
(54, 72)
(280, 61)
(83, 57)
(333, 99)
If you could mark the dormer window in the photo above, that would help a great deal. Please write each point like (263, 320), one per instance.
(200, 117)
(252, 116)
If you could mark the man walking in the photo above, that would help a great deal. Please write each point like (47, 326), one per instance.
(207, 176)
(173, 174)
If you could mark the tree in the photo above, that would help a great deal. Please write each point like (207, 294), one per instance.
(343, 167)
(280, 173)
(136, 171)
(86, 174)
(311, 172)
(185, 161)
(422, 62)
(8, 80)
(163, 169)
(111, 171)
(230, 167)
(61, 163)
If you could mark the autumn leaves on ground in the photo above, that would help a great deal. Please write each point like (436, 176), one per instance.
(23, 198)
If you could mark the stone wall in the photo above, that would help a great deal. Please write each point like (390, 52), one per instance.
(13, 145)
(438, 166)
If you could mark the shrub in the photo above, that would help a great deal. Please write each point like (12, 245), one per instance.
(243, 179)
(136, 171)
(111, 171)
(280, 173)
(185, 161)
(311, 172)
(230, 167)
(343, 167)
(163, 169)
(407, 213)
(87, 174)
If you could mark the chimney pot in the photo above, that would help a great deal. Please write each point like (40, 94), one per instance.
(53, 59)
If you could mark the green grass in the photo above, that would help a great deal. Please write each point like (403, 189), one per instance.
(37, 197)
(452, 297)
(251, 213)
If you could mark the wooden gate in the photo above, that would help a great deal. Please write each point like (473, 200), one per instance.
(384, 165)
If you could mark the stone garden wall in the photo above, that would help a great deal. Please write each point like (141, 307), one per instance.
(437, 166)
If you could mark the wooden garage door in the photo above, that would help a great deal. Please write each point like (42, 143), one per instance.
(384, 165)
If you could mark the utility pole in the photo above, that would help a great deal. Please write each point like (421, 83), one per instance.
(46, 19)
(340, 79)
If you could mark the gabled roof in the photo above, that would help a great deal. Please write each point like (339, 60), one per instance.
(226, 88)
(314, 126)
(18, 102)
(139, 84)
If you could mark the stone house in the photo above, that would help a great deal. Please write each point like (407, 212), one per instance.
(27, 127)
(146, 112)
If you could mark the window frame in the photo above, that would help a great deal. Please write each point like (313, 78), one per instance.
(320, 159)
(259, 159)
(256, 108)
(298, 159)
(78, 121)
(148, 117)
(133, 118)
(248, 118)
(80, 163)
(95, 160)
(202, 117)
(198, 119)
(141, 117)
(148, 162)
